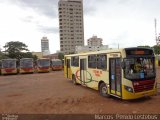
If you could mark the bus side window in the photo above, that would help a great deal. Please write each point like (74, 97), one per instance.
(101, 61)
(92, 61)
(75, 61)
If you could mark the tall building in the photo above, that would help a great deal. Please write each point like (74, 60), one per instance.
(94, 41)
(45, 46)
(71, 26)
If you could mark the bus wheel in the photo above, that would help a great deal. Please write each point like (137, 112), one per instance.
(74, 80)
(103, 90)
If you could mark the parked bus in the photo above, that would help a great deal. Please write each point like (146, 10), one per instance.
(9, 66)
(127, 73)
(43, 65)
(158, 60)
(56, 64)
(26, 65)
(0, 66)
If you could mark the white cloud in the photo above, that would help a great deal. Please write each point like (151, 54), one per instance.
(26, 26)
(124, 22)
(127, 22)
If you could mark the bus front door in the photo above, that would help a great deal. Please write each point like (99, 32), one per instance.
(68, 69)
(115, 76)
(83, 71)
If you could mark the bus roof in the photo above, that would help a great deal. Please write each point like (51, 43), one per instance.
(43, 59)
(8, 59)
(26, 58)
(97, 52)
(108, 51)
(55, 60)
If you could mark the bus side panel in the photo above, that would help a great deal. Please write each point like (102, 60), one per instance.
(91, 79)
(104, 76)
(76, 72)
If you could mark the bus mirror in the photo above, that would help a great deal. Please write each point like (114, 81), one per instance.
(123, 65)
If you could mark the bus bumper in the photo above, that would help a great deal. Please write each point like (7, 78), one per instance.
(22, 71)
(131, 95)
(8, 72)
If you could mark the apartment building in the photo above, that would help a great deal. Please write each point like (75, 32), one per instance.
(71, 27)
(95, 41)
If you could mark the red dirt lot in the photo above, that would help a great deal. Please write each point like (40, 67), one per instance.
(51, 93)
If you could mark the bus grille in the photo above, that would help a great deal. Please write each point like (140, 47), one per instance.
(8, 70)
(140, 86)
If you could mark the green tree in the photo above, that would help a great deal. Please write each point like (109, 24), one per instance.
(156, 49)
(29, 55)
(18, 50)
(2, 56)
(60, 56)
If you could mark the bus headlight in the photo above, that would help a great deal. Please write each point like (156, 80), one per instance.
(129, 89)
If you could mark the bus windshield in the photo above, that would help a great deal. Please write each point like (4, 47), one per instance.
(139, 68)
(28, 63)
(43, 63)
(56, 63)
(8, 64)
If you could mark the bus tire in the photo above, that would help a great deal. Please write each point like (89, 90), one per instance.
(103, 90)
(74, 80)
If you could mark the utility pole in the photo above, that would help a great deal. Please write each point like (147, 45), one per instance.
(155, 21)
(157, 37)
(0, 49)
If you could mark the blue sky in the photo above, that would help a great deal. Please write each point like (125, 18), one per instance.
(128, 23)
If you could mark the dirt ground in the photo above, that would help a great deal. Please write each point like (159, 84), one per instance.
(51, 93)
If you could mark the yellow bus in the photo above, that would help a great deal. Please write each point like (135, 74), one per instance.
(26, 65)
(9, 66)
(43, 65)
(56, 64)
(158, 61)
(127, 73)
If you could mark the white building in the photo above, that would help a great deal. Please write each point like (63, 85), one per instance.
(71, 26)
(45, 46)
(94, 41)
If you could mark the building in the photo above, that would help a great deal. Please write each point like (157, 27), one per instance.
(45, 46)
(38, 54)
(94, 41)
(71, 26)
(82, 49)
(51, 56)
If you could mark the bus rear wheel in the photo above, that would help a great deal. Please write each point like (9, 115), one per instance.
(74, 80)
(103, 90)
